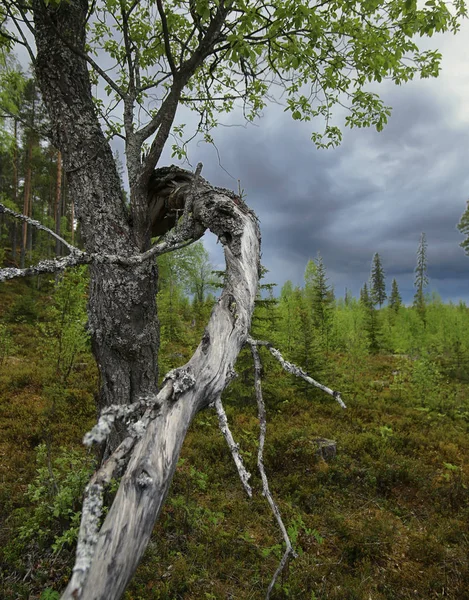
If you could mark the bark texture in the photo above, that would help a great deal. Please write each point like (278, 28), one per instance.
(108, 560)
(122, 306)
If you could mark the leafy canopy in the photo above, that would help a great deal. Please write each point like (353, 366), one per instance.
(222, 54)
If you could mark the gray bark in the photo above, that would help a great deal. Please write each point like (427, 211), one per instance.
(107, 561)
(122, 308)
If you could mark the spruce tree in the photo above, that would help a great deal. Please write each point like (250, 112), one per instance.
(377, 281)
(365, 299)
(371, 325)
(322, 299)
(463, 227)
(421, 278)
(395, 300)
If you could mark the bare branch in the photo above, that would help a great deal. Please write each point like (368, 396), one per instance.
(167, 46)
(244, 475)
(24, 41)
(93, 498)
(55, 265)
(294, 370)
(109, 557)
(38, 225)
(260, 465)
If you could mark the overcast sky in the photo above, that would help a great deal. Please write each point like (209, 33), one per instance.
(376, 193)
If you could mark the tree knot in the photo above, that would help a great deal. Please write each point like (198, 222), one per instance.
(182, 380)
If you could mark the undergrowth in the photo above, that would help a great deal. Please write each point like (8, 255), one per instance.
(387, 519)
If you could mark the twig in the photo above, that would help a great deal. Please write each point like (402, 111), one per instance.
(46, 266)
(294, 370)
(244, 475)
(260, 464)
(38, 225)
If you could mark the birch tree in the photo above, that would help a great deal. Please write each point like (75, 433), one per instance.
(212, 56)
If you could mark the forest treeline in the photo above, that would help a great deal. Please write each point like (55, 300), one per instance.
(305, 321)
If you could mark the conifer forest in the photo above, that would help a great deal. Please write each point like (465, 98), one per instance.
(171, 430)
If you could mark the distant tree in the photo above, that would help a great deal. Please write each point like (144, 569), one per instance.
(198, 274)
(289, 322)
(377, 281)
(365, 299)
(421, 278)
(309, 278)
(322, 299)
(370, 321)
(463, 227)
(348, 298)
(395, 300)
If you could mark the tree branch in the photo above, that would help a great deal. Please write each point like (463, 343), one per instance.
(167, 46)
(244, 475)
(289, 551)
(120, 543)
(297, 371)
(38, 225)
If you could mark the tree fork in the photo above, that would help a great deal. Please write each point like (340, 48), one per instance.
(108, 559)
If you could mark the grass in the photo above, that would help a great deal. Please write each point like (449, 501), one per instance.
(387, 519)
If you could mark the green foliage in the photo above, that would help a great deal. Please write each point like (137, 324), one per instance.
(321, 298)
(65, 335)
(371, 319)
(337, 48)
(49, 594)
(395, 300)
(421, 278)
(55, 497)
(377, 281)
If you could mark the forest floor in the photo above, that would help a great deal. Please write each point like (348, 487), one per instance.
(386, 519)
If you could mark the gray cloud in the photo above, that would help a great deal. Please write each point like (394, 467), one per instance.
(376, 193)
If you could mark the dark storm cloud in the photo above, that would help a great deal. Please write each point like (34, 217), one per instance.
(376, 193)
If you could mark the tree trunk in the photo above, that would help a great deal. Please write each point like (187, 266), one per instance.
(58, 203)
(106, 561)
(27, 197)
(14, 189)
(122, 302)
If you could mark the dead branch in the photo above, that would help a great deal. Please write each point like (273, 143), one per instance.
(38, 225)
(297, 371)
(289, 551)
(108, 558)
(244, 475)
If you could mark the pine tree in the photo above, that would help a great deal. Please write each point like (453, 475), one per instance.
(371, 325)
(365, 299)
(322, 298)
(463, 227)
(377, 281)
(395, 300)
(421, 278)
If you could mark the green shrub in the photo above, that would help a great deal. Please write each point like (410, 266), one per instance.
(55, 495)
(6, 344)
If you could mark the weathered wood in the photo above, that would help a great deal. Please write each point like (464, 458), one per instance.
(127, 528)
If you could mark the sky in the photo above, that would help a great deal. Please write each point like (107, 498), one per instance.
(376, 193)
